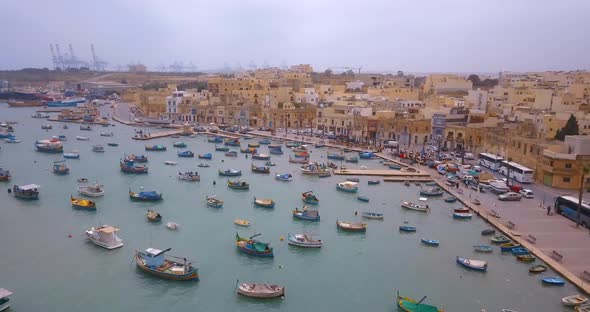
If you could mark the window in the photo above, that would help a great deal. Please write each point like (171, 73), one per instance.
(568, 166)
(551, 163)
(566, 180)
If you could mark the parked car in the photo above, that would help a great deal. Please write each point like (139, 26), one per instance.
(469, 156)
(510, 196)
(526, 193)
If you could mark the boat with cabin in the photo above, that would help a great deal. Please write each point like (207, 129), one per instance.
(171, 225)
(261, 156)
(206, 156)
(238, 184)
(29, 191)
(313, 168)
(284, 177)
(230, 173)
(49, 146)
(191, 176)
(414, 206)
(84, 204)
(351, 226)
(306, 214)
(260, 169)
(348, 187)
(155, 262)
(264, 202)
(260, 290)
(104, 236)
(309, 198)
(4, 175)
(59, 167)
(145, 196)
(98, 148)
(373, 215)
(95, 190)
(213, 201)
(253, 247)
(187, 154)
(129, 166)
(304, 240)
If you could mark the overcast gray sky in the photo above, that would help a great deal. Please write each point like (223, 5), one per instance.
(410, 35)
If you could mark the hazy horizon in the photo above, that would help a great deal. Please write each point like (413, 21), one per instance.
(379, 35)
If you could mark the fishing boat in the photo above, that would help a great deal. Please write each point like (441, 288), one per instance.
(347, 186)
(85, 128)
(253, 145)
(104, 236)
(171, 225)
(295, 160)
(191, 176)
(11, 140)
(519, 251)
(179, 144)
(113, 144)
(324, 174)
(435, 191)
(499, 239)
(60, 137)
(372, 215)
(555, 281)
(582, 308)
(238, 185)
(145, 196)
(203, 165)
(430, 242)
(303, 240)
(270, 164)
(248, 150)
(72, 155)
(483, 248)
(230, 142)
(574, 300)
(185, 154)
(155, 148)
(313, 168)
(241, 222)
(98, 148)
(213, 201)
(414, 206)
(352, 159)
(275, 151)
(264, 202)
(84, 204)
(451, 199)
(153, 216)
(395, 167)
(265, 141)
(59, 167)
(221, 148)
(366, 155)
(478, 265)
(488, 232)
(205, 156)
(29, 191)
(300, 154)
(95, 190)
(260, 156)
(462, 215)
(107, 134)
(407, 304)
(461, 210)
(153, 261)
(231, 154)
(351, 226)
(336, 156)
(292, 144)
(82, 138)
(507, 247)
(283, 177)
(170, 163)
(538, 269)
(526, 258)
(82, 180)
(275, 146)
(253, 247)
(260, 290)
(260, 169)
(362, 198)
(373, 182)
(230, 173)
(498, 186)
(49, 146)
(137, 158)
(46, 127)
(320, 144)
(5, 300)
(309, 198)
(407, 228)
(129, 166)
(306, 214)
(4, 175)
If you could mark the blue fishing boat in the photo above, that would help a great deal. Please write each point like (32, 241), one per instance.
(362, 198)
(156, 148)
(518, 251)
(205, 156)
(213, 201)
(221, 148)
(430, 242)
(59, 167)
(373, 182)
(129, 166)
(253, 247)
(462, 215)
(231, 142)
(477, 265)
(373, 215)
(72, 155)
(238, 184)
(265, 141)
(154, 262)
(260, 169)
(179, 144)
(230, 173)
(407, 228)
(231, 154)
(366, 155)
(352, 159)
(395, 167)
(264, 202)
(483, 248)
(556, 281)
(29, 191)
(11, 140)
(435, 191)
(347, 186)
(186, 154)
(507, 247)
(451, 199)
(309, 198)
(215, 139)
(145, 196)
(306, 214)
(284, 177)
(336, 156)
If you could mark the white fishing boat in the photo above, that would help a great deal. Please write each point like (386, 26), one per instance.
(170, 162)
(260, 290)
(172, 225)
(98, 148)
(574, 300)
(304, 240)
(106, 134)
(5, 300)
(105, 236)
(82, 138)
(95, 190)
(413, 206)
(498, 186)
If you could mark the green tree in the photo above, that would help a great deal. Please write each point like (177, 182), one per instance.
(570, 128)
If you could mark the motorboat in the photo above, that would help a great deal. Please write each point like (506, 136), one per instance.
(5, 300)
(104, 236)
(172, 225)
(304, 240)
(154, 262)
(347, 186)
(95, 190)
(189, 176)
(260, 290)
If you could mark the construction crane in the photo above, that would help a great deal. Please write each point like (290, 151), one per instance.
(60, 58)
(357, 69)
(97, 64)
(53, 57)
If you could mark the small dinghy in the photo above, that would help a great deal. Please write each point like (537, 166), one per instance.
(260, 290)
(153, 216)
(430, 242)
(172, 225)
(500, 239)
(202, 165)
(170, 163)
(461, 210)
(351, 226)
(507, 247)
(407, 228)
(538, 269)
(372, 215)
(526, 258)
(462, 215)
(555, 281)
(304, 240)
(413, 206)
(241, 222)
(519, 251)
(363, 199)
(583, 308)
(488, 232)
(373, 182)
(477, 265)
(451, 199)
(483, 248)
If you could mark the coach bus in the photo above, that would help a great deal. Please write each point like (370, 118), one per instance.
(567, 206)
(490, 161)
(517, 172)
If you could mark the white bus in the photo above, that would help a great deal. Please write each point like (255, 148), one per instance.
(490, 161)
(518, 172)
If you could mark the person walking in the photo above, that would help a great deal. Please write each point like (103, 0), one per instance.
(548, 210)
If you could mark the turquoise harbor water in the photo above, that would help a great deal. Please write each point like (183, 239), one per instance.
(351, 272)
